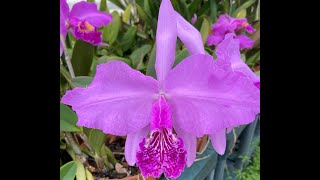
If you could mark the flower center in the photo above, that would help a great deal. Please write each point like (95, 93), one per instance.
(85, 27)
(164, 151)
(244, 24)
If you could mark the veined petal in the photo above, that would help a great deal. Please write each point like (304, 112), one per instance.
(228, 57)
(189, 35)
(89, 12)
(165, 40)
(118, 101)
(205, 99)
(190, 144)
(132, 144)
(219, 141)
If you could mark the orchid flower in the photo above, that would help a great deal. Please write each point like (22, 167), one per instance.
(195, 98)
(83, 21)
(229, 59)
(226, 24)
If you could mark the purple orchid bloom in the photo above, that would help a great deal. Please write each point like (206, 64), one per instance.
(226, 24)
(195, 98)
(229, 59)
(83, 20)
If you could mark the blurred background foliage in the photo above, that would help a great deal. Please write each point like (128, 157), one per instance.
(89, 154)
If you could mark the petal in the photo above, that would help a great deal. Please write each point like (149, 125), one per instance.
(218, 140)
(190, 144)
(214, 39)
(165, 40)
(228, 56)
(64, 9)
(132, 144)
(161, 115)
(118, 101)
(189, 35)
(204, 98)
(194, 18)
(89, 12)
(245, 42)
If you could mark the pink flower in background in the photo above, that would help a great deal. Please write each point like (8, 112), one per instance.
(227, 24)
(83, 20)
(194, 19)
(195, 98)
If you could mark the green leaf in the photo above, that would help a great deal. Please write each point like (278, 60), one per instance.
(253, 58)
(194, 6)
(82, 81)
(144, 16)
(68, 119)
(242, 13)
(213, 10)
(129, 38)
(204, 30)
(104, 59)
(126, 14)
(80, 173)
(117, 3)
(204, 8)
(104, 156)
(146, 6)
(151, 62)
(181, 56)
(89, 175)
(90, 0)
(68, 171)
(82, 58)
(96, 139)
(243, 6)
(110, 32)
(110, 155)
(104, 6)
(138, 54)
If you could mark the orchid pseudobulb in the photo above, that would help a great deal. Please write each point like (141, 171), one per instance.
(195, 98)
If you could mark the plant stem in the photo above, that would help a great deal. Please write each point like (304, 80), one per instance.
(66, 55)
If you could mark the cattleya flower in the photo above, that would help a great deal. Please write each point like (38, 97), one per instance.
(83, 21)
(226, 24)
(229, 59)
(195, 98)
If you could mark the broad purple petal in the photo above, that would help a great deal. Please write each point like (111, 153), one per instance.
(228, 57)
(218, 140)
(132, 144)
(165, 40)
(118, 101)
(89, 12)
(189, 35)
(204, 98)
(245, 42)
(190, 144)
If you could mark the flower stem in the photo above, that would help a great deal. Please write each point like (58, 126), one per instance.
(66, 55)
